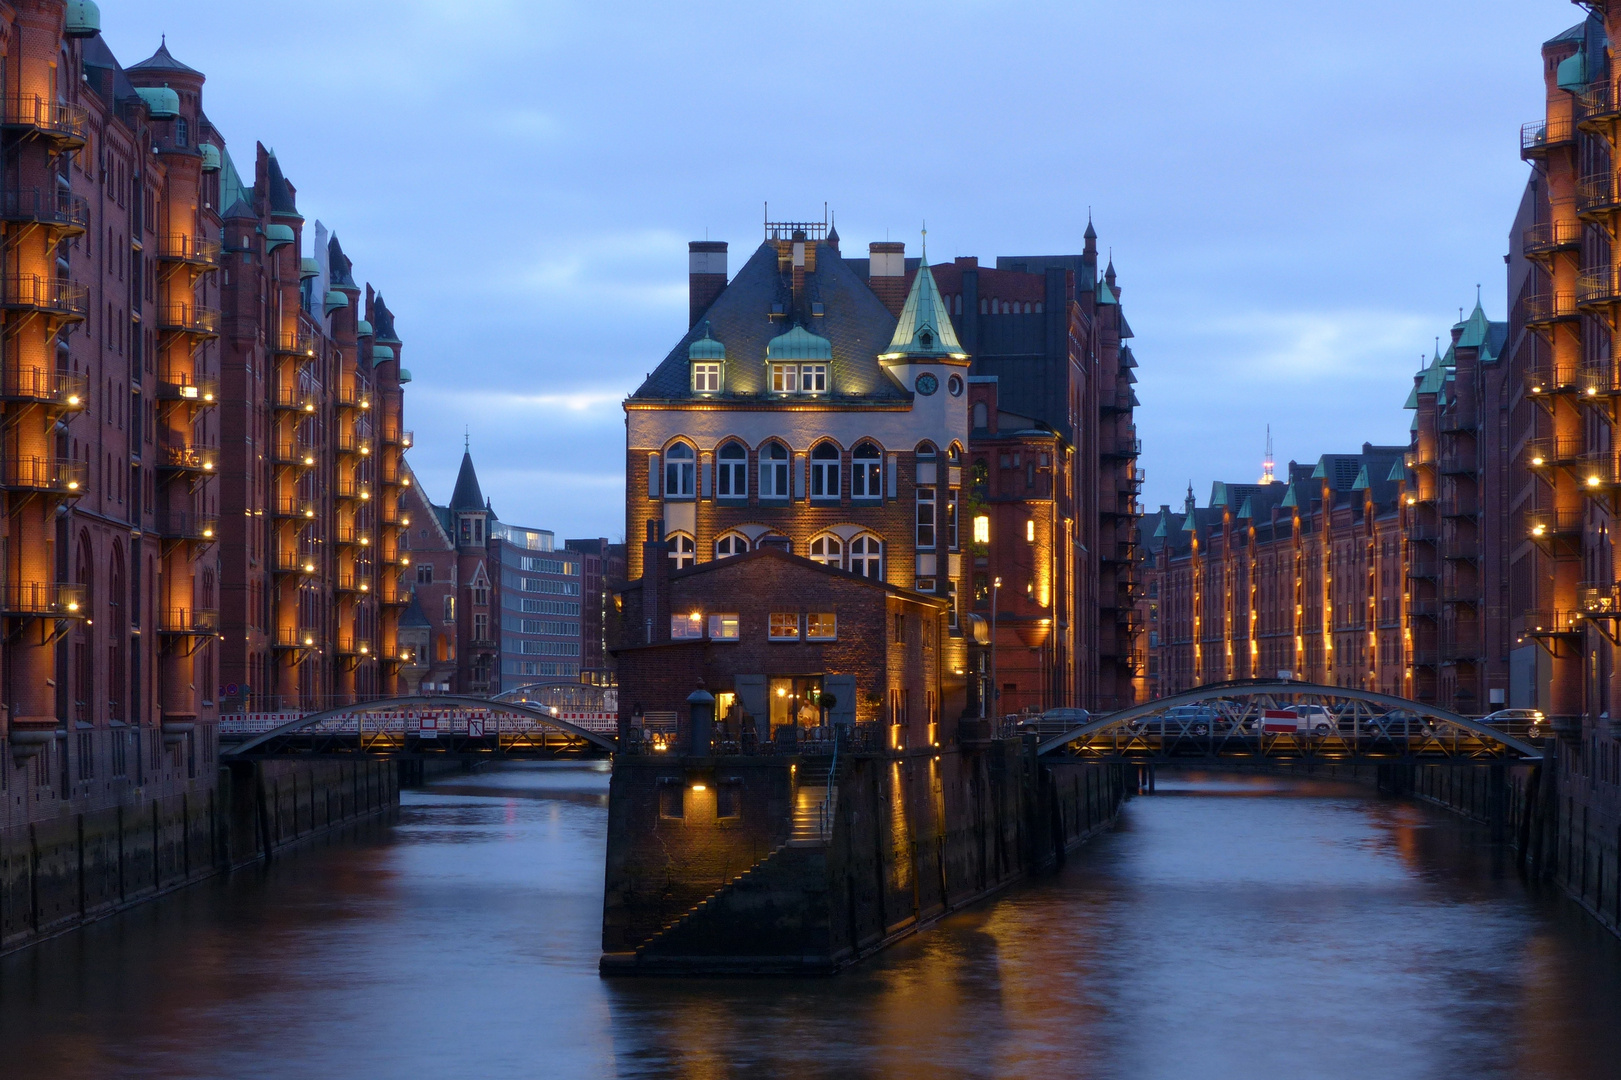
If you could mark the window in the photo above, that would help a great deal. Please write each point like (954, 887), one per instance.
(924, 584)
(925, 517)
(866, 472)
(828, 550)
(680, 467)
(982, 416)
(450, 609)
(825, 472)
(784, 626)
(686, 627)
(682, 552)
(982, 529)
(821, 626)
(732, 472)
(181, 134)
(785, 378)
(672, 799)
(731, 544)
(774, 471)
(951, 519)
(900, 629)
(481, 595)
(1030, 531)
(867, 557)
(813, 378)
(481, 627)
(725, 627)
(706, 378)
(925, 449)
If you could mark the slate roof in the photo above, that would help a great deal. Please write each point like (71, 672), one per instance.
(340, 266)
(467, 495)
(277, 191)
(924, 328)
(854, 321)
(163, 60)
(382, 323)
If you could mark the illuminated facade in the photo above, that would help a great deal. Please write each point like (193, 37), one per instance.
(1304, 576)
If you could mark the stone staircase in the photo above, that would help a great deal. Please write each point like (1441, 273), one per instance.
(814, 797)
(674, 926)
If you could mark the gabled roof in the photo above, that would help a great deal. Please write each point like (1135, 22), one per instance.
(414, 615)
(924, 328)
(163, 60)
(467, 495)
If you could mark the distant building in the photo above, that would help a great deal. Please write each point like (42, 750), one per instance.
(541, 595)
(603, 574)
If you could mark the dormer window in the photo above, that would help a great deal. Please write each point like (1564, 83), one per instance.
(707, 357)
(785, 378)
(706, 378)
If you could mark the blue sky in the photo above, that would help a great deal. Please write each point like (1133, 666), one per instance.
(1299, 197)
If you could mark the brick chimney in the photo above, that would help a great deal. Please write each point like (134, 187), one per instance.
(886, 274)
(706, 275)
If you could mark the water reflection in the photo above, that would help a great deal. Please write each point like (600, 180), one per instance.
(1230, 927)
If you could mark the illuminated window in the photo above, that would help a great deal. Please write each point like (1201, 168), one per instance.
(867, 557)
(821, 626)
(866, 472)
(982, 529)
(1030, 531)
(706, 378)
(825, 471)
(731, 544)
(924, 584)
(680, 469)
(828, 550)
(732, 472)
(724, 627)
(682, 552)
(773, 471)
(784, 626)
(687, 627)
(785, 378)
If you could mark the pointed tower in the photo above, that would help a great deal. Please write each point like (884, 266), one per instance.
(924, 352)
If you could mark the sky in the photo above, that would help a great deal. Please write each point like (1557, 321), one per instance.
(1298, 197)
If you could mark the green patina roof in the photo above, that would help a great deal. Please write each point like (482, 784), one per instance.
(1412, 398)
(161, 102)
(707, 348)
(308, 267)
(1188, 525)
(1573, 70)
(1106, 294)
(798, 344)
(362, 328)
(211, 157)
(1321, 471)
(1398, 472)
(924, 329)
(1218, 494)
(1475, 329)
(1289, 500)
(1164, 519)
(232, 190)
(1434, 377)
(1361, 482)
(1246, 511)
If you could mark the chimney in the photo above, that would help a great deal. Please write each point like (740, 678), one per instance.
(886, 274)
(706, 275)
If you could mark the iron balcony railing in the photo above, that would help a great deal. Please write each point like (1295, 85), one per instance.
(1597, 193)
(349, 488)
(1560, 450)
(1460, 652)
(1597, 102)
(190, 622)
(30, 598)
(297, 342)
(1549, 236)
(1459, 462)
(1544, 308)
(184, 318)
(1598, 285)
(294, 397)
(295, 506)
(1427, 607)
(1550, 524)
(1548, 623)
(1599, 598)
(32, 292)
(353, 582)
(59, 209)
(297, 453)
(1455, 419)
(60, 476)
(350, 441)
(186, 525)
(354, 647)
(188, 457)
(1598, 472)
(296, 637)
(1461, 549)
(294, 562)
(65, 390)
(352, 395)
(1539, 135)
(195, 250)
(1460, 505)
(1542, 380)
(63, 122)
(192, 391)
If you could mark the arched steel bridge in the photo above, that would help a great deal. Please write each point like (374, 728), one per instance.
(438, 726)
(1338, 724)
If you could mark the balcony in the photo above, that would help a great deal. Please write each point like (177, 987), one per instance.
(1546, 380)
(293, 562)
(357, 647)
(1459, 463)
(352, 395)
(182, 457)
(294, 398)
(192, 319)
(1424, 607)
(299, 342)
(63, 124)
(393, 436)
(189, 250)
(293, 506)
(61, 389)
(1424, 569)
(1120, 446)
(349, 441)
(1546, 526)
(1596, 104)
(68, 214)
(1456, 420)
(189, 622)
(1460, 505)
(186, 525)
(55, 476)
(295, 453)
(33, 599)
(1599, 598)
(1461, 549)
(389, 511)
(1597, 195)
(1460, 652)
(1598, 473)
(1564, 450)
(291, 637)
(1539, 136)
(392, 593)
(349, 488)
(47, 295)
(1598, 286)
(190, 391)
(1546, 309)
(1547, 237)
(350, 536)
(1552, 623)
(354, 583)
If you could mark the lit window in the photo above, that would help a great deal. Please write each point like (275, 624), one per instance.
(680, 468)
(821, 626)
(982, 529)
(732, 472)
(866, 472)
(774, 471)
(828, 550)
(925, 517)
(706, 378)
(951, 518)
(785, 378)
(1030, 531)
(724, 627)
(682, 552)
(825, 472)
(813, 378)
(784, 626)
(687, 627)
(867, 557)
(731, 544)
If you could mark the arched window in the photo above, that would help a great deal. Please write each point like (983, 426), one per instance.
(680, 468)
(982, 416)
(731, 544)
(732, 472)
(954, 453)
(773, 471)
(925, 449)
(867, 471)
(682, 551)
(828, 550)
(825, 471)
(867, 556)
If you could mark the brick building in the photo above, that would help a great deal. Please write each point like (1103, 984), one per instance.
(1303, 575)
(602, 575)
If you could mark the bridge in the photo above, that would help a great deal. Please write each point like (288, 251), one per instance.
(1247, 720)
(428, 726)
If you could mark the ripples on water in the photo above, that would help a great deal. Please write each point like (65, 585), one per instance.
(1230, 927)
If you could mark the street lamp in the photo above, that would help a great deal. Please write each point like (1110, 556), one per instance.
(996, 591)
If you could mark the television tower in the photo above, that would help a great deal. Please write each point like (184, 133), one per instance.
(1267, 464)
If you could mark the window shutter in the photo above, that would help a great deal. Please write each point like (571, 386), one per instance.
(653, 477)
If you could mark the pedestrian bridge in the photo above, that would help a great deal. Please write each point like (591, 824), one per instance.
(429, 726)
(1248, 720)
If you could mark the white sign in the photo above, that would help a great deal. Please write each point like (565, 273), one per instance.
(475, 728)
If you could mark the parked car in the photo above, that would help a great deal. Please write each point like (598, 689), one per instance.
(1400, 724)
(1180, 720)
(1316, 718)
(1055, 722)
(1518, 723)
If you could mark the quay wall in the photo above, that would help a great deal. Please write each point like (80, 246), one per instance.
(915, 835)
(81, 863)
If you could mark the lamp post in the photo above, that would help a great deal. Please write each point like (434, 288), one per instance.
(996, 592)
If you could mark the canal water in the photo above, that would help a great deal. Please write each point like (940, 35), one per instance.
(1229, 927)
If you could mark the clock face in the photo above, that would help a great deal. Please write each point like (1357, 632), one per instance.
(927, 384)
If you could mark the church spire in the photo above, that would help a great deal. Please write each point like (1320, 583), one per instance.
(924, 329)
